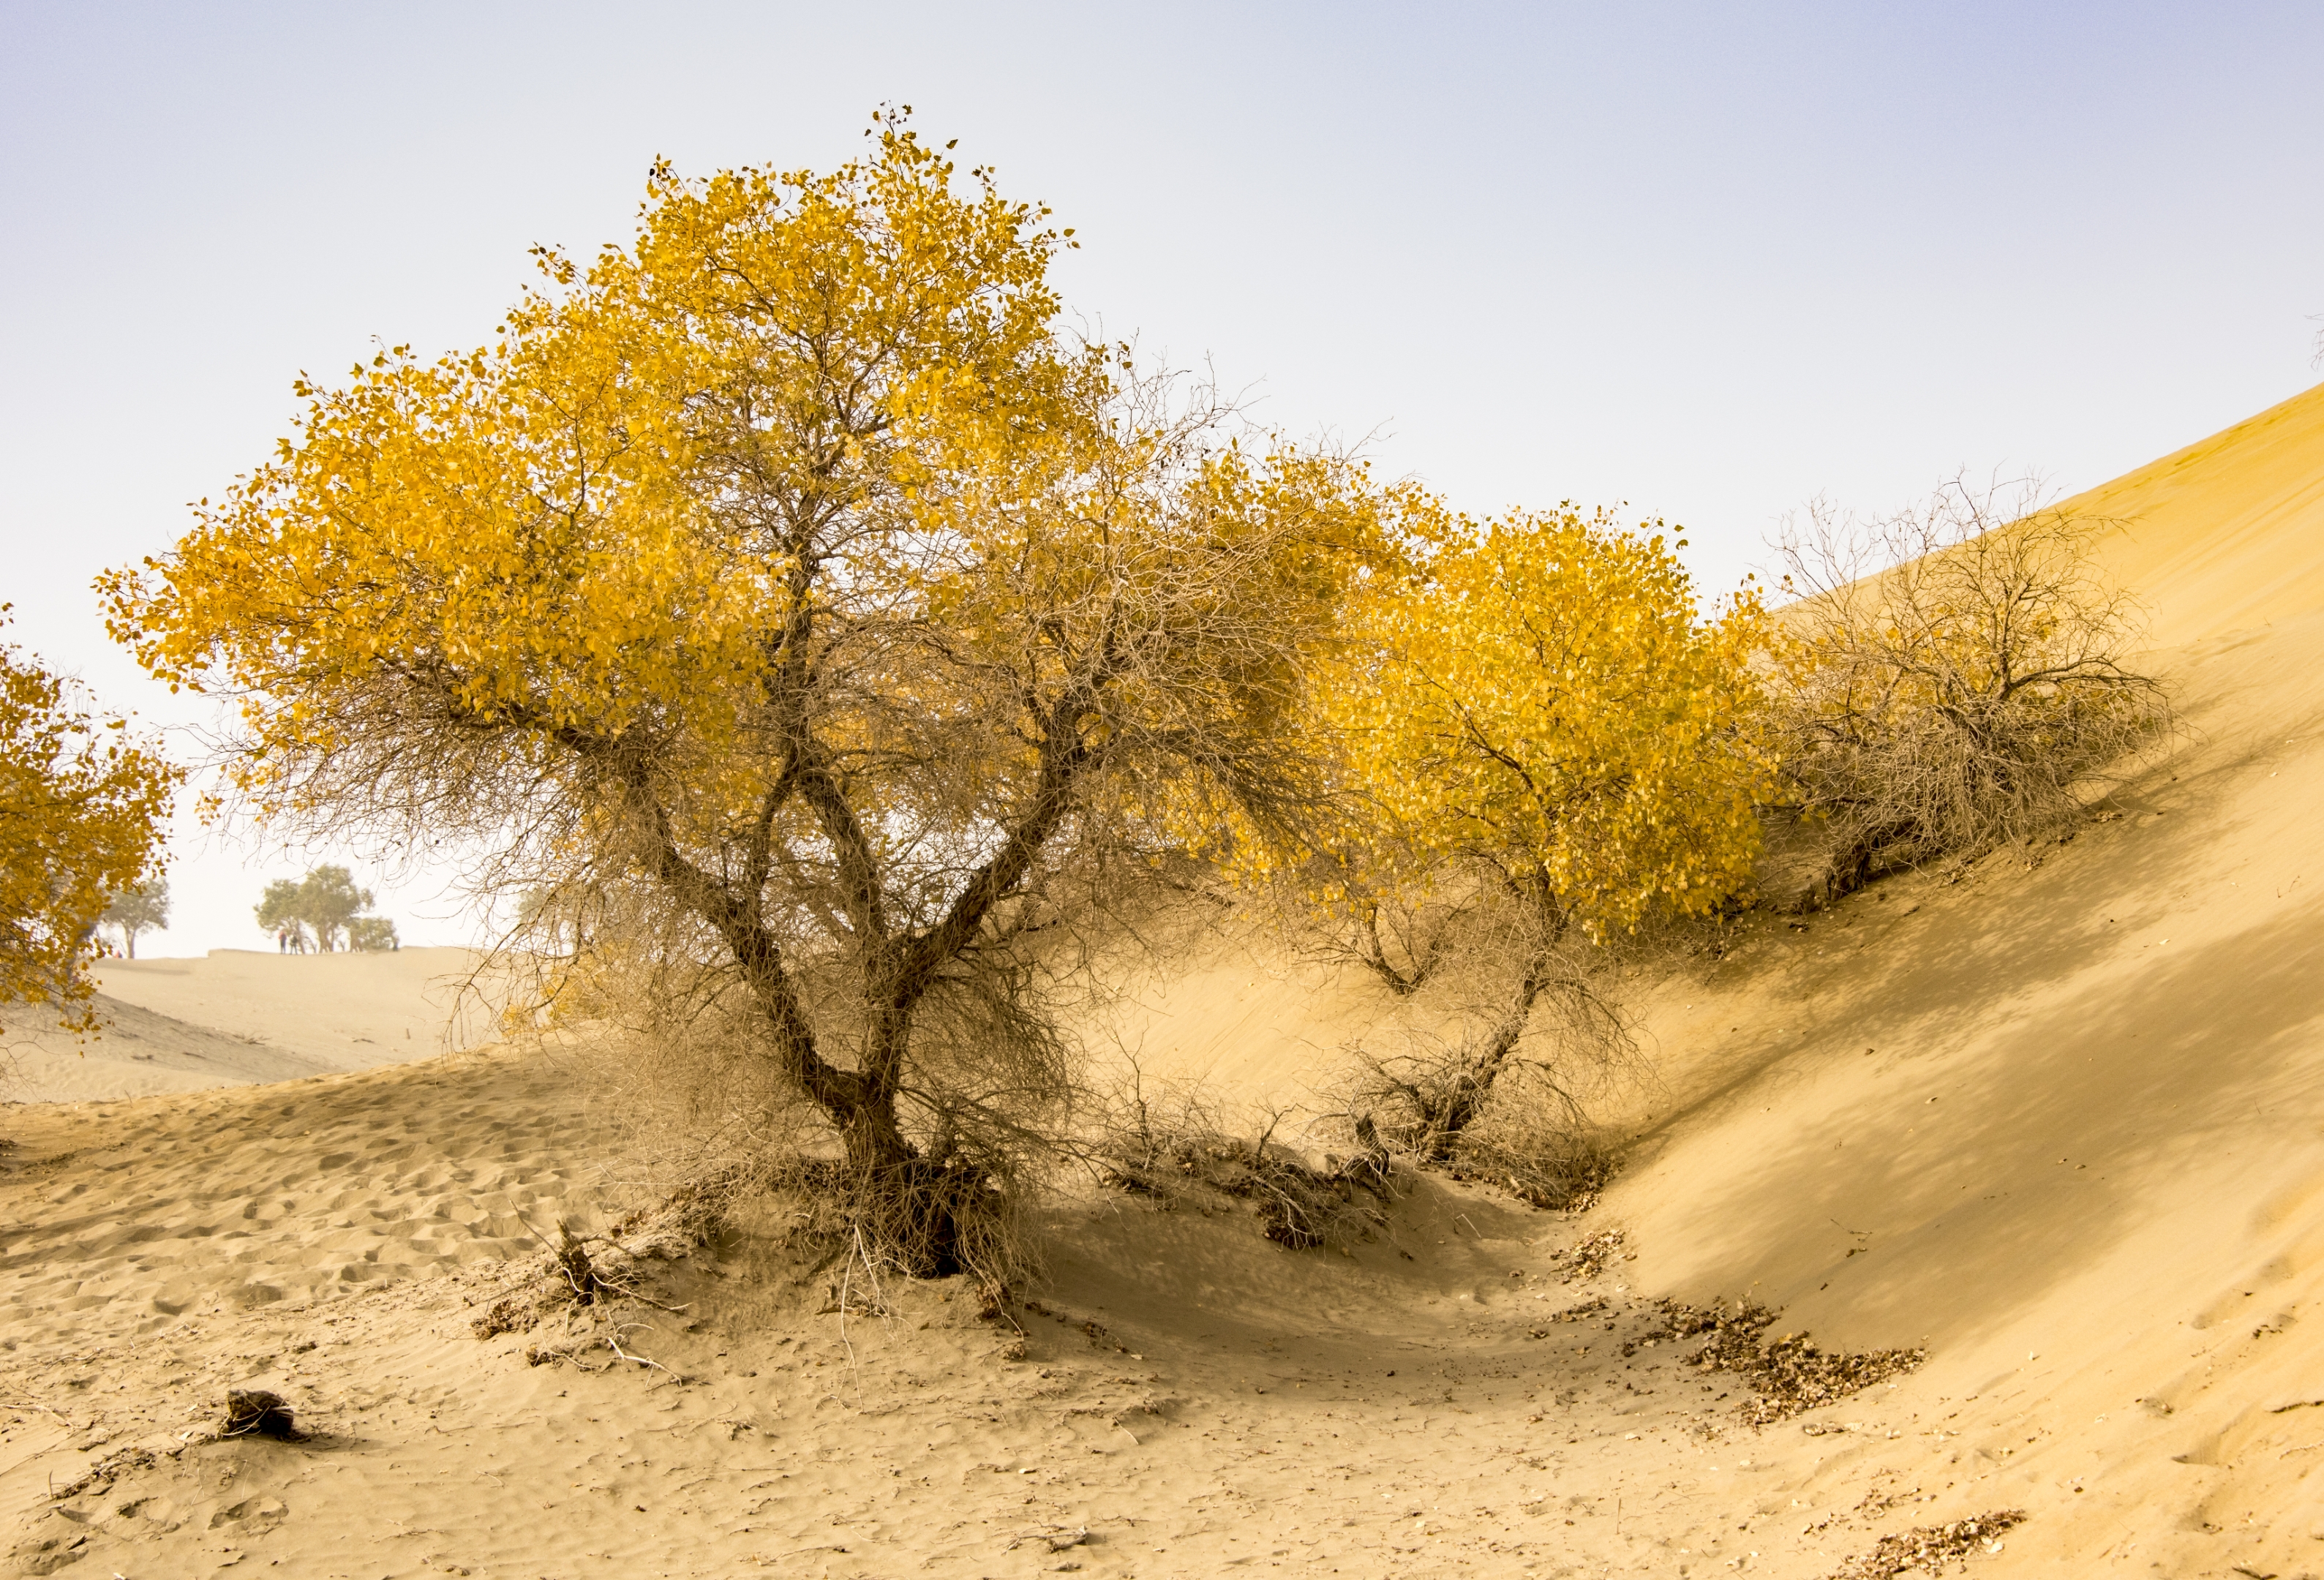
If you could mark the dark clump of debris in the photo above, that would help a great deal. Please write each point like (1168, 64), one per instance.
(1567, 1178)
(1098, 1335)
(1587, 1257)
(1789, 1375)
(250, 1411)
(509, 1313)
(1929, 1546)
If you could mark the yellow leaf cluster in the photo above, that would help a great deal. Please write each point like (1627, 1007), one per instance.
(607, 525)
(81, 806)
(1541, 699)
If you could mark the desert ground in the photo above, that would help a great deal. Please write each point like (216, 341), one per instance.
(2057, 1121)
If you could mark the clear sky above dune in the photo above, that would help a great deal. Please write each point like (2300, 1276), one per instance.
(1708, 260)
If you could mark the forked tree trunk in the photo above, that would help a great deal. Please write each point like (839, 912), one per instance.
(1402, 981)
(910, 1203)
(909, 1206)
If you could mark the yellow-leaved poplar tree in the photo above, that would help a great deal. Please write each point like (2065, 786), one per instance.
(82, 808)
(788, 594)
(1538, 719)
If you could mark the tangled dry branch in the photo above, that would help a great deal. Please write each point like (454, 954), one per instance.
(1955, 677)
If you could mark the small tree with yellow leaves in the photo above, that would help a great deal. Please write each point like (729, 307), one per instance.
(792, 599)
(1537, 722)
(82, 810)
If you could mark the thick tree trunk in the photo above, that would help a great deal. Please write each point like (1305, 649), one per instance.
(871, 1128)
(910, 1203)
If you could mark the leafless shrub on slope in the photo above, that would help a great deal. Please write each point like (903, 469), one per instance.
(1953, 677)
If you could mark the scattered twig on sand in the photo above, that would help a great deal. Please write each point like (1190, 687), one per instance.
(572, 1353)
(856, 1253)
(614, 1343)
(1057, 1539)
(103, 1474)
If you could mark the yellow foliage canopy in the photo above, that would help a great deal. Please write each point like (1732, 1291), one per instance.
(1534, 721)
(1542, 701)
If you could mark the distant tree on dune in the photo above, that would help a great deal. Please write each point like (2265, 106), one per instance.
(323, 911)
(282, 911)
(329, 900)
(371, 935)
(140, 908)
(82, 808)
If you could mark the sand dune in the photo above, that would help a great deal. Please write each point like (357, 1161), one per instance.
(2227, 534)
(238, 1016)
(344, 1012)
(2061, 1123)
(133, 1053)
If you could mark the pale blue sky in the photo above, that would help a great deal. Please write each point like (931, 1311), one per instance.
(1706, 260)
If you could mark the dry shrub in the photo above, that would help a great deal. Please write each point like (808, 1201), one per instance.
(1531, 1141)
(1789, 1375)
(1954, 677)
(1173, 1149)
(1932, 1547)
(581, 1271)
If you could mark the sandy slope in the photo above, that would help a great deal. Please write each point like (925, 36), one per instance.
(2062, 1124)
(344, 1012)
(135, 1053)
(1194, 1396)
(2229, 534)
(238, 1016)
